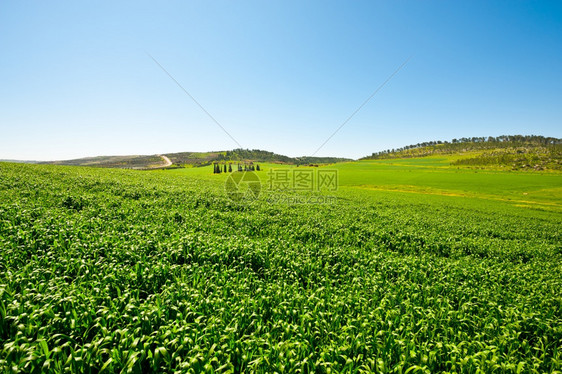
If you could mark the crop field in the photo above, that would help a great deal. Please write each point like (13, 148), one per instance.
(415, 267)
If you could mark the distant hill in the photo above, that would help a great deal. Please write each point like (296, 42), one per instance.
(124, 162)
(515, 151)
(265, 156)
(192, 159)
(20, 161)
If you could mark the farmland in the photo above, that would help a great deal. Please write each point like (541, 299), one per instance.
(417, 266)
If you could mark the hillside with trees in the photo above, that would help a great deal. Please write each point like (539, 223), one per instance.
(515, 151)
(266, 156)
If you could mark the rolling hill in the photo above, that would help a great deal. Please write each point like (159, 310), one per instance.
(516, 152)
(507, 151)
(193, 159)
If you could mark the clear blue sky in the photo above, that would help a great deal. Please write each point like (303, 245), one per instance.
(76, 80)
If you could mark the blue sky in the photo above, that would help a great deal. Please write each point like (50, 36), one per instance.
(76, 80)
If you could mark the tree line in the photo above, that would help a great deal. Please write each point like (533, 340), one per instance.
(474, 143)
(266, 156)
(227, 168)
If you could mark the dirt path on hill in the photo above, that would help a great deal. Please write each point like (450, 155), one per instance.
(166, 161)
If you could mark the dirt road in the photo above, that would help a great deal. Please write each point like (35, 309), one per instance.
(167, 161)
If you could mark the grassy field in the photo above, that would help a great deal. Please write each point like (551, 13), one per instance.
(415, 266)
(433, 175)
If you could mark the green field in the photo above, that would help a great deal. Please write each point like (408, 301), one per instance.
(433, 175)
(413, 266)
